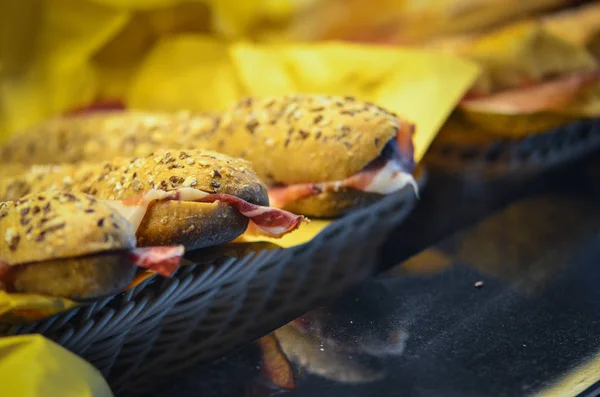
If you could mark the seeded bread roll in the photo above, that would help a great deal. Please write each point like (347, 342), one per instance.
(305, 138)
(63, 244)
(42, 226)
(308, 139)
(82, 278)
(289, 139)
(101, 136)
(333, 204)
(192, 224)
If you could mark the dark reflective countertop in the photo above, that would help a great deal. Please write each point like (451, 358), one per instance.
(509, 306)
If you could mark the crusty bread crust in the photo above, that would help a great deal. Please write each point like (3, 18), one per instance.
(101, 136)
(305, 138)
(80, 278)
(332, 204)
(289, 139)
(194, 225)
(57, 225)
(125, 177)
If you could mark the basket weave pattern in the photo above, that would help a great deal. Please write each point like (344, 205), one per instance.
(527, 156)
(162, 326)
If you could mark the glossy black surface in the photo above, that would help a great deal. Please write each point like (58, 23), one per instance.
(509, 306)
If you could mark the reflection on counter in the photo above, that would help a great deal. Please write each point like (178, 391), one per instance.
(528, 243)
(525, 244)
(348, 341)
(510, 306)
(524, 247)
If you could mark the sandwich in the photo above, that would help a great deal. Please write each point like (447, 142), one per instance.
(194, 198)
(527, 70)
(72, 245)
(320, 156)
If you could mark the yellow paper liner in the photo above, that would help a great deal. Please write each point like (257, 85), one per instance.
(33, 366)
(28, 308)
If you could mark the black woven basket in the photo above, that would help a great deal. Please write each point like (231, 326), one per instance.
(519, 158)
(143, 336)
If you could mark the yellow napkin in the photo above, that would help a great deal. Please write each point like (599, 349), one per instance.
(28, 308)
(32, 366)
(518, 55)
(204, 74)
(45, 68)
(25, 308)
(408, 21)
(303, 235)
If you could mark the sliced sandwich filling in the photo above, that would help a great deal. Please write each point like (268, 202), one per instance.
(390, 172)
(161, 260)
(273, 221)
(550, 94)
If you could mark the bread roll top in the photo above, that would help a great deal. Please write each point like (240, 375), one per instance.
(102, 136)
(126, 177)
(58, 225)
(305, 138)
(288, 139)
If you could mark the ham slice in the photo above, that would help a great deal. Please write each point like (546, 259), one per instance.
(99, 106)
(274, 222)
(4, 270)
(547, 96)
(383, 176)
(161, 260)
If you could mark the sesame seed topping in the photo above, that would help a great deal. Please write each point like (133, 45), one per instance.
(189, 181)
(12, 238)
(252, 125)
(137, 185)
(40, 236)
